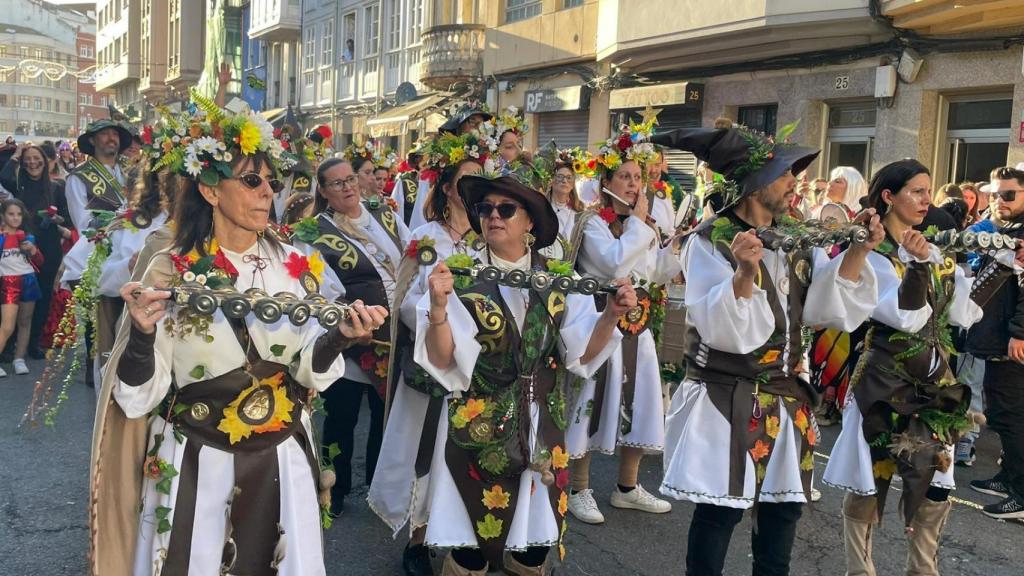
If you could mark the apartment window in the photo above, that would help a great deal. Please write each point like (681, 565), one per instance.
(851, 132)
(415, 21)
(976, 136)
(348, 30)
(760, 118)
(83, 99)
(516, 10)
(394, 25)
(37, 103)
(3, 126)
(309, 55)
(23, 102)
(49, 104)
(174, 37)
(85, 51)
(24, 52)
(571, 3)
(3, 100)
(103, 100)
(372, 21)
(39, 53)
(3, 51)
(67, 106)
(327, 43)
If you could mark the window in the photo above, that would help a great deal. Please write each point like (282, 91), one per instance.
(174, 37)
(851, 132)
(85, 51)
(415, 21)
(309, 55)
(67, 106)
(516, 10)
(3, 51)
(372, 21)
(39, 53)
(348, 30)
(571, 3)
(760, 118)
(3, 126)
(3, 100)
(103, 100)
(23, 102)
(394, 25)
(37, 103)
(84, 99)
(976, 136)
(327, 43)
(49, 104)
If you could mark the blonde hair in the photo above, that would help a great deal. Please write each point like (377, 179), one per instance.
(856, 186)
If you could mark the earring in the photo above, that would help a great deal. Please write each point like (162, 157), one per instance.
(529, 240)
(888, 208)
(445, 213)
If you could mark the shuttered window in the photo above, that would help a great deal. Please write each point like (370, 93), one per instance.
(567, 129)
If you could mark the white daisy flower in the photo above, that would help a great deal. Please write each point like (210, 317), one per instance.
(193, 166)
(188, 276)
(201, 278)
(228, 156)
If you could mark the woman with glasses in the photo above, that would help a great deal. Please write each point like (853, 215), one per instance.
(401, 484)
(623, 407)
(904, 409)
(566, 202)
(363, 246)
(499, 470)
(226, 479)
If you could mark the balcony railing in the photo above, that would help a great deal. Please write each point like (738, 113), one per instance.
(371, 75)
(346, 81)
(452, 53)
(392, 71)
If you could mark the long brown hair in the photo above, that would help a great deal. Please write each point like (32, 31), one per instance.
(437, 200)
(44, 177)
(574, 197)
(193, 215)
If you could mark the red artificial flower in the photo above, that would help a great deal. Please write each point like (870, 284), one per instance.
(221, 261)
(624, 142)
(430, 175)
(277, 133)
(607, 214)
(562, 478)
(413, 249)
(473, 473)
(296, 265)
(659, 185)
(51, 211)
(389, 187)
(325, 131)
(285, 230)
(367, 361)
(591, 164)
(147, 134)
(753, 424)
(286, 145)
(403, 167)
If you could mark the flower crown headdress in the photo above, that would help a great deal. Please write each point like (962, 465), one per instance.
(579, 160)
(201, 142)
(387, 158)
(510, 120)
(366, 150)
(449, 149)
(629, 144)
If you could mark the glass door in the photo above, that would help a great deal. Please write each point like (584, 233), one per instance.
(977, 138)
(972, 159)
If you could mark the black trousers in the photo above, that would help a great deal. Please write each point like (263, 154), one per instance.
(771, 543)
(46, 277)
(343, 401)
(1004, 408)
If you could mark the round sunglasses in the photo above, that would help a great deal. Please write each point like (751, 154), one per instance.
(505, 210)
(252, 181)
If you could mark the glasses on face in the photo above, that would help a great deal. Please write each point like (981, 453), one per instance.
(1006, 195)
(350, 182)
(563, 178)
(253, 181)
(506, 210)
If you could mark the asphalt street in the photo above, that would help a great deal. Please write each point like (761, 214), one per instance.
(44, 477)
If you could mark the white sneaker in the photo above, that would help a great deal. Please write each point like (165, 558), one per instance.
(20, 367)
(584, 508)
(639, 499)
(3, 373)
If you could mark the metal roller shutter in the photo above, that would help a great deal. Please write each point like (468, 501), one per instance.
(567, 129)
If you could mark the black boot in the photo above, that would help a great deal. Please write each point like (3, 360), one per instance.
(708, 541)
(416, 560)
(772, 541)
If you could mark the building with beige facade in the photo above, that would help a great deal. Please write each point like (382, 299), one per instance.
(871, 81)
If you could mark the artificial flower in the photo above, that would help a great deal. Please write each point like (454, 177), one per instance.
(496, 498)
(297, 265)
(238, 429)
(249, 139)
(771, 426)
(769, 357)
(607, 214)
(760, 450)
(563, 504)
(559, 458)
(884, 469)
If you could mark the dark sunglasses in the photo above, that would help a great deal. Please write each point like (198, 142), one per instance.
(253, 181)
(506, 210)
(1006, 195)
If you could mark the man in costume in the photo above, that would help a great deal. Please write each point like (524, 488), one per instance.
(740, 432)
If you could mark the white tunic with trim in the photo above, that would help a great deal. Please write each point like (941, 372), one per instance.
(634, 254)
(176, 360)
(697, 435)
(534, 523)
(850, 466)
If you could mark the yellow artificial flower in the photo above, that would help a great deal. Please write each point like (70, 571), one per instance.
(559, 458)
(249, 138)
(769, 357)
(496, 497)
(471, 409)
(884, 469)
(807, 464)
(456, 155)
(563, 504)
(801, 421)
(238, 430)
(316, 265)
(771, 426)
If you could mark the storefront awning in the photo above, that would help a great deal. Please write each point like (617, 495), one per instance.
(274, 114)
(394, 122)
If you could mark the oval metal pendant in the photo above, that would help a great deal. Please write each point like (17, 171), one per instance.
(258, 407)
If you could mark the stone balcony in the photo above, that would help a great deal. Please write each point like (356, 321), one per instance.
(452, 53)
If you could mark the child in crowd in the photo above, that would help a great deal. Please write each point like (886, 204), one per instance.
(19, 289)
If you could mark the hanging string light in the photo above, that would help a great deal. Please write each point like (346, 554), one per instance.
(53, 71)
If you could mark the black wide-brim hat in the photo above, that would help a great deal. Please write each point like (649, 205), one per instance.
(727, 152)
(474, 189)
(452, 124)
(85, 139)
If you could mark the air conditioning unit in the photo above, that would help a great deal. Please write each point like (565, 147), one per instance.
(910, 65)
(885, 81)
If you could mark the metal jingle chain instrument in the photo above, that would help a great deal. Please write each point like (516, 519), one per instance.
(811, 234)
(953, 241)
(269, 309)
(538, 280)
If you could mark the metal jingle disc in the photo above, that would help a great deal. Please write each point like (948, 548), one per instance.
(490, 274)
(588, 286)
(299, 313)
(540, 281)
(285, 296)
(563, 283)
(255, 292)
(202, 303)
(516, 278)
(329, 315)
(997, 241)
(267, 310)
(236, 307)
(984, 240)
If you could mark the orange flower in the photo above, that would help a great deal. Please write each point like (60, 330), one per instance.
(559, 458)
(195, 131)
(563, 504)
(496, 497)
(801, 421)
(812, 438)
(471, 409)
(769, 357)
(760, 450)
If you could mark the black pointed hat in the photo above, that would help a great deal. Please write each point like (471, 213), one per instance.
(464, 112)
(748, 159)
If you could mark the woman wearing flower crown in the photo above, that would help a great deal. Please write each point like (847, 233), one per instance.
(226, 479)
(623, 408)
(499, 467)
(510, 129)
(401, 483)
(362, 244)
(561, 192)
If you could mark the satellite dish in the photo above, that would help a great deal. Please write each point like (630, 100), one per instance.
(686, 212)
(405, 92)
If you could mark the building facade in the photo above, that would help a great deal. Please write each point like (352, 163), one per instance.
(354, 57)
(118, 23)
(271, 54)
(92, 105)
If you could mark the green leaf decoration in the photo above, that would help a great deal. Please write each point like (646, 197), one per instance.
(209, 177)
(198, 372)
(786, 131)
(163, 527)
(307, 230)
(931, 231)
(490, 527)
(164, 486)
(277, 349)
(161, 512)
(560, 267)
(333, 451)
(319, 405)
(180, 407)
(886, 247)
(214, 114)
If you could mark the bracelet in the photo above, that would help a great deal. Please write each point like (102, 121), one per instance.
(441, 323)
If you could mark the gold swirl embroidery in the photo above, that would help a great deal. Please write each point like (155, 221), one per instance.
(410, 191)
(387, 216)
(301, 183)
(948, 267)
(94, 179)
(347, 255)
(556, 303)
(490, 321)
